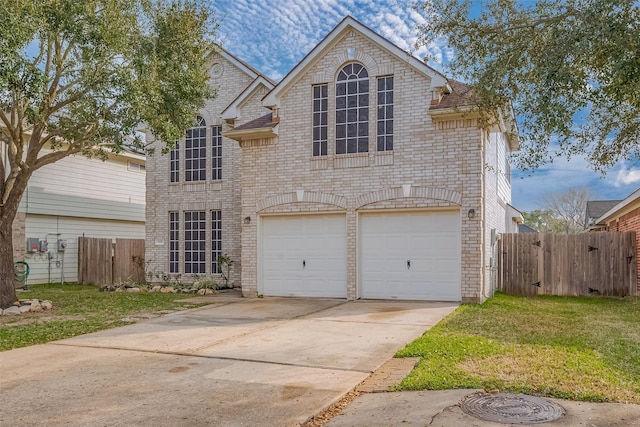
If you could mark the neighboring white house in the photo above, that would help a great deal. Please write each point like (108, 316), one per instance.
(362, 174)
(73, 197)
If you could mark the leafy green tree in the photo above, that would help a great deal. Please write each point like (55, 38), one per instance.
(544, 221)
(571, 69)
(78, 77)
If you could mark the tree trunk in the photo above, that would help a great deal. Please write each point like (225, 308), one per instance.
(7, 286)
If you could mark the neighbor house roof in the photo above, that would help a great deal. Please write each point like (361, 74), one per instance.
(524, 228)
(621, 205)
(596, 208)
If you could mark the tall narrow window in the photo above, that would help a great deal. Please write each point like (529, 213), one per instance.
(320, 102)
(385, 113)
(216, 152)
(216, 240)
(352, 110)
(195, 152)
(174, 241)
(194, 241)
(174, 163)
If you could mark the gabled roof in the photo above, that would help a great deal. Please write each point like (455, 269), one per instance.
(347, 24)
(232, 111)
(246, 68)
(596, 208)
(621, 205)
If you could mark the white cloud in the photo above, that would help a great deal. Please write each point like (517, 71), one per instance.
(627, 176)
(274, 36)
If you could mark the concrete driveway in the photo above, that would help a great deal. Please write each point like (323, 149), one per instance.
(237, 362)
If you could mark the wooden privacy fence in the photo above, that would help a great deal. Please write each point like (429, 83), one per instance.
(102, 262)
(600, 263)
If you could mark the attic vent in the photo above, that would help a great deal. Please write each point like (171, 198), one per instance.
(351, 53)
(136, 167)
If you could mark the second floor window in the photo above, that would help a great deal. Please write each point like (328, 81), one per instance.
(352, 110)
(195, 152)
(320, 108)
(216, 152)
(174, 163)
(385, 114)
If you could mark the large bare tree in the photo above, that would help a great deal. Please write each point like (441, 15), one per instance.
(569, 207)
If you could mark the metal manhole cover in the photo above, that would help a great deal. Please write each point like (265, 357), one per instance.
(508, 408)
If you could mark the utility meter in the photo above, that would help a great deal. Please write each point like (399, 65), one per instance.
(62, 245)
(43, 246)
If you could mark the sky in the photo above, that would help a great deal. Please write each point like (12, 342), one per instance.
(274, 35)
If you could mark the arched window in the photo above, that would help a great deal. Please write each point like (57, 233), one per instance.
(195, 152)
(352, 110)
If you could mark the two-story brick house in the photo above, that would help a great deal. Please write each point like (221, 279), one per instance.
(361, 174)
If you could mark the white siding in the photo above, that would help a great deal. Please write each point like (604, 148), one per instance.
(70, 229)
(90, 188)
(497, 196)
(502, 154)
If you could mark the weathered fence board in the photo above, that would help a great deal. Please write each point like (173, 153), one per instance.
(128, 261)
(102, 262)
(94, 261)
(602, 263)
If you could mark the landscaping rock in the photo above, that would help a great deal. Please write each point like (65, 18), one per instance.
(12, 311)
(167, 290)
(36, 307)
(156, 288)
(133, 289)
(27, 306)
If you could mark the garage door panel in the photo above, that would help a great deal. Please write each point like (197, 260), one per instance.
(430, 241)
(304, 255)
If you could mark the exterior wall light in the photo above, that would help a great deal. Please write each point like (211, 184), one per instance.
(471, 213)
(247, 219)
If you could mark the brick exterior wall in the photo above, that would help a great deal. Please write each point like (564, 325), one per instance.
(443, 163)
(163, 196)
(629, 222)
(435, 164)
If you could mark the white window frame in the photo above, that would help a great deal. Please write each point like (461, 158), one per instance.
(352, 109)
(195, 152)
(384, 120)
(195, 232)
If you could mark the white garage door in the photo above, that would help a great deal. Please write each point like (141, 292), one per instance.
(411, 255)
(304, 255)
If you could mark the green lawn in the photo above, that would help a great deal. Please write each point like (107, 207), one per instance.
(80, 309)
(578, 348)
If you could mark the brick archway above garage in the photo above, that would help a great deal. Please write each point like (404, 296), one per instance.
(407, 191)
(302, 196)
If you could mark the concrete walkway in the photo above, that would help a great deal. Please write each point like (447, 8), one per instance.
(237, 362)
(442, 409)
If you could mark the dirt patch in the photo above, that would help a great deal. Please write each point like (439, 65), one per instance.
(294, 390)
(336, 409)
